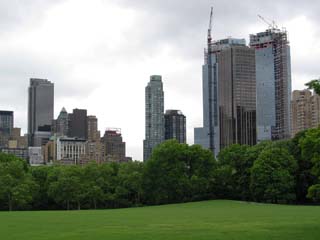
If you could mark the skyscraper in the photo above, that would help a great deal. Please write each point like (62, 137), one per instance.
(78, 124)
(229, 95)
(154, 119)
(6, 126)
(40, 109)
(273, 71)
(175, 125)
(236, 94)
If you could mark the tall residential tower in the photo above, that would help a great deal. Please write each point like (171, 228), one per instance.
(305, 111)
(154, 100)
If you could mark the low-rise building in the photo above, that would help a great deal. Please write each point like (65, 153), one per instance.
(36, 156)
(18, 152)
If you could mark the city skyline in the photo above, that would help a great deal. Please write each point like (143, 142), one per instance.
(89, 75)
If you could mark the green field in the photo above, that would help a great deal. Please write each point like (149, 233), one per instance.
(201, 220)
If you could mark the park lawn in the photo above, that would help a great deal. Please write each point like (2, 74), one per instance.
(212, 220)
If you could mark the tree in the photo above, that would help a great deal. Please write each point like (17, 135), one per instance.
(237, 158)
(222, 184)
(16, 184)
(201, 166)
(92, 184)
(304, 176)
(315, 85)
(165, 179)
(314, 192)
(177, 173)
(272, 176)
(129, 188)
(310, 149)
(41, 200)
(310, 152)
(109, 181)
(67, 187)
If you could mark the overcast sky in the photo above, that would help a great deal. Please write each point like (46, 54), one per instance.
(100, 53)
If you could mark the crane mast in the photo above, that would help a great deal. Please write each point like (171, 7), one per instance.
(211, 87)
(210, 26)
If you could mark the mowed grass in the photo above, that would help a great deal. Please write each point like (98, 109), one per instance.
(201, 220)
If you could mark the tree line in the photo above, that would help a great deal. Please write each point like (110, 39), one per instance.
(274, 172)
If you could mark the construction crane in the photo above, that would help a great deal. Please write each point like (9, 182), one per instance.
(210, 26)
(271, 25)
(211, 87)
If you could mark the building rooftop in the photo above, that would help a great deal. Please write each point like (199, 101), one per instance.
(3, 112)
(173, 112)
(155, 78)
(38, 81)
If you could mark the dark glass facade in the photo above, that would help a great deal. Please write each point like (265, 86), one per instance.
(6, 126)
(40, 107)
(78, 124)
(175, 126)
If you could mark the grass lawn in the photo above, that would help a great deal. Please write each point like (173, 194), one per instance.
(202, 220)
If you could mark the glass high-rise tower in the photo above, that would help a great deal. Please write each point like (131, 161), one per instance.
(273, 69)
(40, 110)
(154, 118)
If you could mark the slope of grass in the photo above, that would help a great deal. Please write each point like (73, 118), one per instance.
(199, 221)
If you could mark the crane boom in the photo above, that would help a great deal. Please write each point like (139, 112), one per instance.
(270, 25)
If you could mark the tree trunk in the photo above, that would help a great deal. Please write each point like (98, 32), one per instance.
(95, 204)
(79, 207)
(9, 202)
(68, 205)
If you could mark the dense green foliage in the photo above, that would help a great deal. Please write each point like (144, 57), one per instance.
(274, 172)
(315, 85)
(200, 220)
(178, 173)
(272, 176)
(16, 184)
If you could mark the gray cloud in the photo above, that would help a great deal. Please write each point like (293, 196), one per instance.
(16, 13)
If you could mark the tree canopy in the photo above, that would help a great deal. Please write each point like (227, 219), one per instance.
(286, 171)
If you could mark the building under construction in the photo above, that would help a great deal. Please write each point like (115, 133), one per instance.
(273, 75)
(229, 94)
